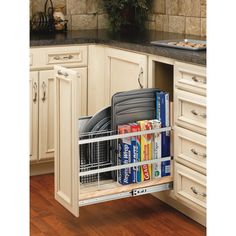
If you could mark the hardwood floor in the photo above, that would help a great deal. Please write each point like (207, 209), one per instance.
(143, 215)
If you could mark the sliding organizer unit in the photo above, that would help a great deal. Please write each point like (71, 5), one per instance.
(87, 170)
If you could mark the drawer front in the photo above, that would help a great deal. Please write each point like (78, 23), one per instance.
(190, 111)
(69, 56)
(190, 78)
(190, 187)
(66, 57)
(190, 149)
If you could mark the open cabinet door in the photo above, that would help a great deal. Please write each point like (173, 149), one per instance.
(67, 106)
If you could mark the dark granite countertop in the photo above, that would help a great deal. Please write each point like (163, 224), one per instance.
(136, 42)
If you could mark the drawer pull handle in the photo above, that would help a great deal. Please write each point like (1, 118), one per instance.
(35, 92)
(139, 77)
(203, 115)
(198, 81)
(59, 72)
(197, 193)
(198, 153)
(68, 57)
(44, 91)
(63, 58)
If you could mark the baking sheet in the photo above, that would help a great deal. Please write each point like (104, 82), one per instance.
(164, 43)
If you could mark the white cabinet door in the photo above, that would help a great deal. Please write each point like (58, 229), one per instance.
(68, 88)
(34, 107)
(46, 109)
(124, 71)
(46, 115)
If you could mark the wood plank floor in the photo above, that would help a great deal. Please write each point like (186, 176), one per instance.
(143, 215)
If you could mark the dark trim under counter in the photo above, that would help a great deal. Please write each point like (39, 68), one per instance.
(139, 42)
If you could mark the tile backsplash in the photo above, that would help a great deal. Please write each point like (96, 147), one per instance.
(180, 16)
(81, 14)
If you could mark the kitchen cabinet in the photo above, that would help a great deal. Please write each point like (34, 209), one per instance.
(69, 191)
(190, 135)
(107, 71)
(124, 71)
(42, 61)
(110, 71)
(46, 115)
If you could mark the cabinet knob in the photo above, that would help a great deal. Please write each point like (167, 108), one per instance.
(198, 153)
(198, 193)
(44, 91)
(35, 92)
(139, 77)
(194, 78)
(59, 72)
(63, 58)
(203, 115)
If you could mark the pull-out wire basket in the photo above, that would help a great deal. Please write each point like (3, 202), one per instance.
(93, 156)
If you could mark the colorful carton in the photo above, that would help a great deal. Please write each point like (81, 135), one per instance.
(146, 150)
(135, 153)
(156, 149)
(124, 155)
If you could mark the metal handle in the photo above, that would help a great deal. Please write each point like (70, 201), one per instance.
(198, 153)
(44, 91)
(139, 77)
(35, 92)
(64, 57)
(59, 72)
(198, 193)
(203, 115)
(198, 81)
(68, 57)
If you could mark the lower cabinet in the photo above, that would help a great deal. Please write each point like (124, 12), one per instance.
(190, 187)
(124, 71)
(42, 113)
(110, 71)
(46, 115)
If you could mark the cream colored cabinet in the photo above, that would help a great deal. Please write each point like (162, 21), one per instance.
(70, 189)
(42, 61)
(190, 154)
(34, 107)
(124, 71)
(113, 70)
(46, 110)
(190, 187)
(46, 115)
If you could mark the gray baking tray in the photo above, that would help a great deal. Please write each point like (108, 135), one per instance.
(164, 43)
(131, 106)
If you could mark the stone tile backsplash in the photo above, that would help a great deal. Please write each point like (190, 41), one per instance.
(180, 16)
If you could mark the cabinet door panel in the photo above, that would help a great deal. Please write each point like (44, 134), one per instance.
(190, 187)
(67, 109)
(46, 115)
(34, 106)
(124, 71)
